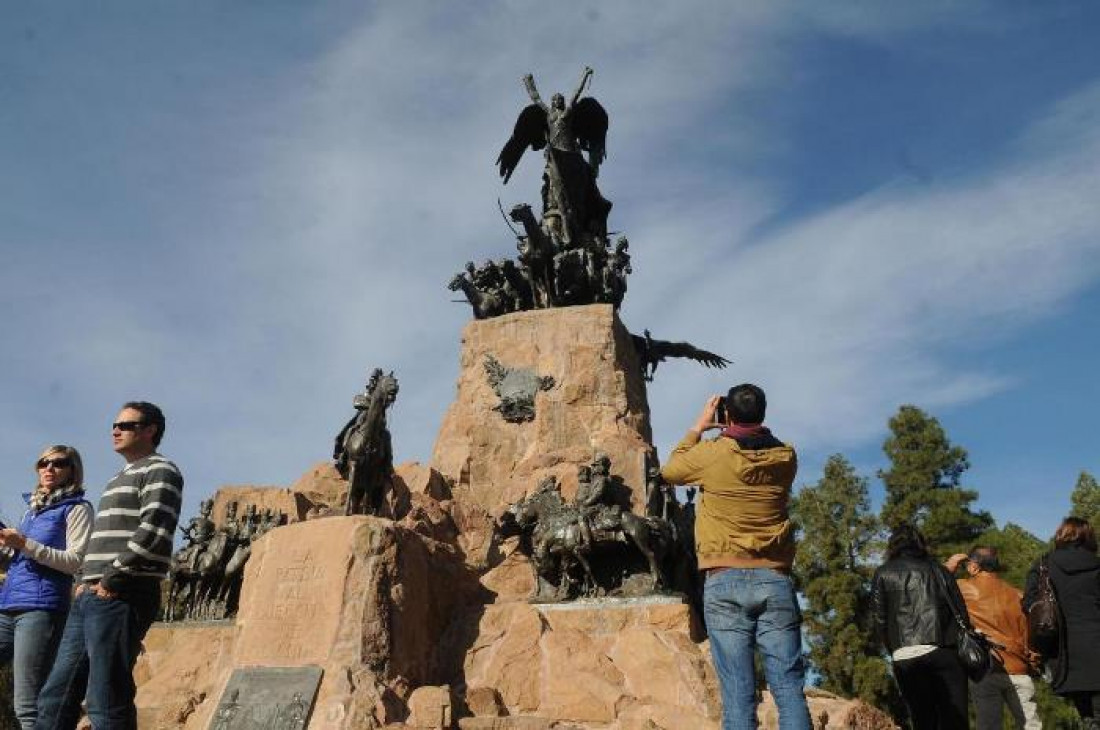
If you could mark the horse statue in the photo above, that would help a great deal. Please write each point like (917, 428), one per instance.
(551, 537)
(182, 573)
(209, 574)
(486, 304)
(363, 452)
(557, 540)
(237, 551)
(182, 585)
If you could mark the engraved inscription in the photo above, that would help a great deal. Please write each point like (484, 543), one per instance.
(288, 620)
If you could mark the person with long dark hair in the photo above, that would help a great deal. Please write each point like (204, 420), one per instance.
(46, 549)
(914, 603)
(1075, 573)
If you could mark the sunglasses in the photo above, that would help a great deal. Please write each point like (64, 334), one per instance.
(127, 425)
(61, 462)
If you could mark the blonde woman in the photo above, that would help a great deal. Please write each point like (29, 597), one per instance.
(46, 549)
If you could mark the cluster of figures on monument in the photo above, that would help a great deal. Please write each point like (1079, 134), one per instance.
(595, 545)
(547, 275)
(565, 257)
(204, 581)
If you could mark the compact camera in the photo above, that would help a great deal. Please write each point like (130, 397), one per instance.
(720, 411)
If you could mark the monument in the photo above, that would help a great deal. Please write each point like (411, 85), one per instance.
(532, 575)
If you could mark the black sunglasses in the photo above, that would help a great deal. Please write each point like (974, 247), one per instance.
(61, 462)
(127, 425)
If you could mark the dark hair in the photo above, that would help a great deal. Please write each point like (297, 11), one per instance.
(746, 403)
(150, 415)
(1075, 531)
(906, 540)
(985, 557)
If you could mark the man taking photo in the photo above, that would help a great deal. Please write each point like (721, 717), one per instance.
(745, 546)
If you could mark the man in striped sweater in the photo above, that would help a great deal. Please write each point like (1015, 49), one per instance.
(118, 594)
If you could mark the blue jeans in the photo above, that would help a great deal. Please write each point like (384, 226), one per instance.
(748, 608)
(96, 658)
(28, 641)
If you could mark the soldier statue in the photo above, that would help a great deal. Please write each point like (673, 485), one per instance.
(198, 533)
(595, 499)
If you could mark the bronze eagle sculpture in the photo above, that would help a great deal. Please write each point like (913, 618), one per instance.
(652, 352)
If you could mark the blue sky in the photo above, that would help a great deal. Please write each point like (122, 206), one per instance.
(237, 210)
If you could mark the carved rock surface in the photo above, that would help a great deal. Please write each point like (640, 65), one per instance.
(365, 599)
(613, 665)
(322, 485)
(287, 501)
(430, 708)
(598, 403)
(174, 672)
(597, 664)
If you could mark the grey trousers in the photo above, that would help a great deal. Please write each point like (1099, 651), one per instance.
(998, 690)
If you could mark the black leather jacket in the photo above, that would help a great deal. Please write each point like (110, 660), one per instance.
(909, 603)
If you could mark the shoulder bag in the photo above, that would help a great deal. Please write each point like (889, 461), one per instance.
(1044, 618)
(973, 646)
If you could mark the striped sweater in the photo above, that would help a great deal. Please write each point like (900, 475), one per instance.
(135, 524)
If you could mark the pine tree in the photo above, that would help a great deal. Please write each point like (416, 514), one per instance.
(833, 570)
(923, 483)
(1085, 499)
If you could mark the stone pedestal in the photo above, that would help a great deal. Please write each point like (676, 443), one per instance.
(597, 403)
(609, 663)
(420, 620)
(366, 600)
(180, 670)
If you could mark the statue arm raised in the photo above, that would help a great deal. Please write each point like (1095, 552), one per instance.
(532, 91)
(580, 87)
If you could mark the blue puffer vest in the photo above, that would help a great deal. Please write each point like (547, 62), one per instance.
(30, 585)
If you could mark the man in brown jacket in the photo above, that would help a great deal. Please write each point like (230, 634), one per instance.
(995, 610)
(745, 545)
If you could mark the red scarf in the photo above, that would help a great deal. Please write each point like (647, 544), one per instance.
(745, 430)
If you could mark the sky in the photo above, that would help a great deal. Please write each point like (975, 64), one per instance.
(237, 210)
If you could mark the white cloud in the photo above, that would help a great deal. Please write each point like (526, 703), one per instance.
(855, 310)
(334, 203)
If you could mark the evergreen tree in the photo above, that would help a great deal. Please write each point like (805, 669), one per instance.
(1085, 499)
(833, 569)
(923, 483)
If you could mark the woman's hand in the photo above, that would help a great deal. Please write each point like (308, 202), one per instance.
(12, 538)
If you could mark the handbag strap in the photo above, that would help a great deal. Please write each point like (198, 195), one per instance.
(1046, 585)
(949, 596)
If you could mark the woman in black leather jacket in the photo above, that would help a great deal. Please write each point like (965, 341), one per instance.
(912, 597)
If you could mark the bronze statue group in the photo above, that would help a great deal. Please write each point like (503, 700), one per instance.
(204, 580)
(594, 546)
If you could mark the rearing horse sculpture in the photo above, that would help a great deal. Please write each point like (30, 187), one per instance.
(364, 453)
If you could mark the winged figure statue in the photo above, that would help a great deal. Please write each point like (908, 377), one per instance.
(572, 204)
(652, 352)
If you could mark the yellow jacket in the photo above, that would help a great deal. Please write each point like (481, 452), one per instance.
(741, 520)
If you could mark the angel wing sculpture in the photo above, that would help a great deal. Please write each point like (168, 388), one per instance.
(652, 352)
(572, 204)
